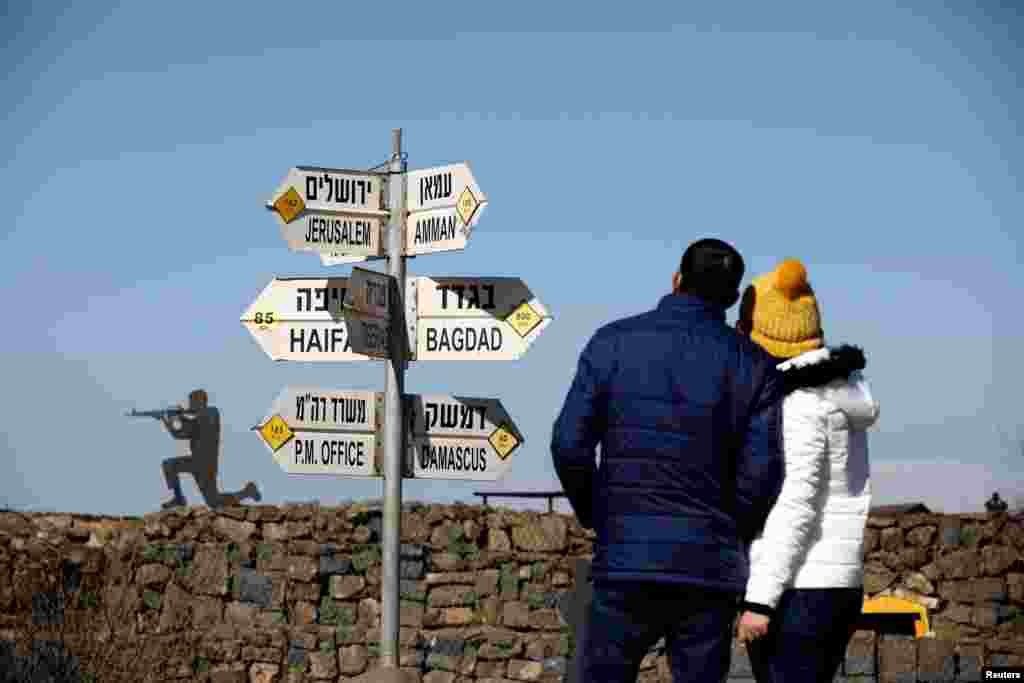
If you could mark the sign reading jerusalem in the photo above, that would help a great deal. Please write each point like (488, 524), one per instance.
(455, 437)
(336, 212)
(444, 204)
(476, 318)
(304, 319)
(324, 431)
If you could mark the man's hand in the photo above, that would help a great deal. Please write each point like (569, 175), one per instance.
(751, 626)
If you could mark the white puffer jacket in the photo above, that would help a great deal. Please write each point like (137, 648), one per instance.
(814, 536)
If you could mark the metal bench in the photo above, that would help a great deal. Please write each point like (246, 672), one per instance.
(550, 495)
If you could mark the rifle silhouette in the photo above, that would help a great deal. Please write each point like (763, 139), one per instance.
(160, 414)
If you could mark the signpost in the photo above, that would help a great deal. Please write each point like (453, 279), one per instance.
(324, 431)
(302, 319)
(476, 318)
(349, 216)
(454, 437)
(444, 205)
(333, 211)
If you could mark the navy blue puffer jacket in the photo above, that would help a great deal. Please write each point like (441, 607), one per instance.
(687, 413)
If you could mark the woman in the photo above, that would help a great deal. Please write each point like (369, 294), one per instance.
(805, 591)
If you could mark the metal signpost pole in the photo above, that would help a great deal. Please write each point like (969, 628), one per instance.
(394, 453)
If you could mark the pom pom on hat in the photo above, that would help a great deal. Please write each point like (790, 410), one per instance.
(780, 310)
(791, 279)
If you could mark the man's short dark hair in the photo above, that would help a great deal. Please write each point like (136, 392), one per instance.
(712, 270)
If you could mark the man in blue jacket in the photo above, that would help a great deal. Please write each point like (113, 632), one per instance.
(687, 413)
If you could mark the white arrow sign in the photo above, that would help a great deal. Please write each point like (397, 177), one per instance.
(333, 211)
(444, 204)
(476, 318)
(455, 437)
(325, 431)
(302, 319)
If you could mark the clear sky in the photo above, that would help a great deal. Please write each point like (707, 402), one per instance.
(879, 142)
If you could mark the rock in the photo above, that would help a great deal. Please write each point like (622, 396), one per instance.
(302, 568)
(1015, 587)
(487, 581)
(880, 522)
(870, 540)
(958, 613)
(962, 564)
(209, 571)
(973, 591)
(451, 596)
(411, 613)
(176, 609)
(547, 535)
(345, 587)
(1013, 534)
(352, 659)
(275, 533)
(255, 588)
(892, 539)
(932, 571)
(152, 574)
(207, 612)
(917, 581)
(448, 578)
(497, 540)
(877, 578)
(234, 530)
(996, 559)
(914, 557)
(921, 536)
(323, 664)
(522, 670)
(516, 615)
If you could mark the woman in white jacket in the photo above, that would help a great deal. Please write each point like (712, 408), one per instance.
(805, 591)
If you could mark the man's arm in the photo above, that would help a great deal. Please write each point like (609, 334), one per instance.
(179, 426)
(577, 431)
(760, 466)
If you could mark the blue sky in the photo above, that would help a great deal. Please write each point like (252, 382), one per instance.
(878, 143)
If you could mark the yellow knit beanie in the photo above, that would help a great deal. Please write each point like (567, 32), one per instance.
(781, 313)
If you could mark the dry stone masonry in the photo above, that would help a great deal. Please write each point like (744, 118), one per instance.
(264, 594)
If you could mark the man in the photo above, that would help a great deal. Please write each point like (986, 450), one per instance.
(687, 415)
(200, 424)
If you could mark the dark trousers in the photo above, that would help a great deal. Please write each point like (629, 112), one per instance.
(807, 637)
(627, 619)
(203, 473)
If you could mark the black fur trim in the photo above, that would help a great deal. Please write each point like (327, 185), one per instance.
(840, 364)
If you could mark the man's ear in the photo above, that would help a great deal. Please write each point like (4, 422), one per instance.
(677, 282)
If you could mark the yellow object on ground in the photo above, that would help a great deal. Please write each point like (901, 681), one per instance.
(887, 604)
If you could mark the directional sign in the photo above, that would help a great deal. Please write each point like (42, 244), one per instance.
(335, 211)
(455, 437)
(325, 431)
(444, 204)
(332, 259)
(302, 319)
(369, 292)
(476, 318)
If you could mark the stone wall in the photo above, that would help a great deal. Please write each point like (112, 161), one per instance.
(292, 593)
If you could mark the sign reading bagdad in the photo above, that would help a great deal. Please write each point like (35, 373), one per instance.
(324, 431)
(456, 437)
(332, 211)
(444, 204)
(303, 319)
(476, 318)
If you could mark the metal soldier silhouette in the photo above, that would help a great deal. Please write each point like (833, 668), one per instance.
(200, 425)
